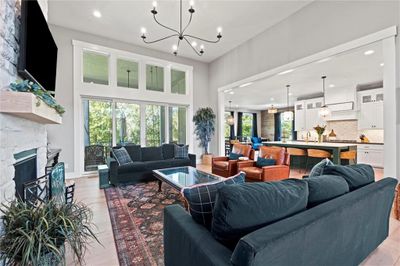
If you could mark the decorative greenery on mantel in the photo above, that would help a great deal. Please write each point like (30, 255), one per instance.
(39, 92)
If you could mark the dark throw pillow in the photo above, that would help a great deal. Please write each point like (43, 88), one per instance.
(242, 209)
(318, 169)
(201, 198)
(235, 156)
(261, 162)
(121, 155)
(152, 154)
(356, 176)
(181, 152)
(325, 187)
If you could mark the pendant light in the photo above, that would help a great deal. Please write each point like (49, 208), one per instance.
(287, 115)
(229, 119)
(272, 110)
(324, 111)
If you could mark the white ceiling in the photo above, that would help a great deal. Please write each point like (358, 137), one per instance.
(122, 20)
(343, 71)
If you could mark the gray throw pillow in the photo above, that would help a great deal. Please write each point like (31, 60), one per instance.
(356, 176)
(121, 155)
(181, 152)
(318, 169)
(325, 187)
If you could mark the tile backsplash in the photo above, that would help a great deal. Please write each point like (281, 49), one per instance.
(346, 130)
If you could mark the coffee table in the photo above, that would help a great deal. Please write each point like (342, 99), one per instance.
(185, 176)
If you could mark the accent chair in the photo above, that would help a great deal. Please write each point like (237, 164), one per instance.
(222, 166)
(279, 171)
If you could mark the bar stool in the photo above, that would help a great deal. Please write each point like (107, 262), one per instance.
(349, 155)
(314, 153)
(295, 152)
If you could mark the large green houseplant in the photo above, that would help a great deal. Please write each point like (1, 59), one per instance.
(204, 121)
(36, 235)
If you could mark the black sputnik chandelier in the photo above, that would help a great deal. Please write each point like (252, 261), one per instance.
(180, 33)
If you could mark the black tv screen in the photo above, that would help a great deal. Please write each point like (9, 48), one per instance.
(38, 51)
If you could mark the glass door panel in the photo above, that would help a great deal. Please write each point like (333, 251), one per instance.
(177, 124)
(97, 120)
(127, 123)
(155, 125)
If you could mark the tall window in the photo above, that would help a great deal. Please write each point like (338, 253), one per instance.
(127, 74)
(127, 123)
(247, 124)
(155, 125)
(178, 81)
(286, 129)
(177, 124)
(227, 128)
(97, 132)
(95, 68)
(154, 78)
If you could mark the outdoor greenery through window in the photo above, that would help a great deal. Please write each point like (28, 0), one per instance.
(127, 74)
(154, 78)
(178, 81)
(127, 123)
(177, 124)
(97, 132)
(286, 129)
(227, 127)
(95, 68)
(247, 124)
(155, 125)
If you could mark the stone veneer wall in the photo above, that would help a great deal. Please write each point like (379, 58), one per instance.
(16, 134)
(267, 125)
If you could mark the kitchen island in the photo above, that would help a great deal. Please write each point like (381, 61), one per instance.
(332, 147)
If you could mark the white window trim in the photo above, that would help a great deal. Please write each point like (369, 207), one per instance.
(139, 96)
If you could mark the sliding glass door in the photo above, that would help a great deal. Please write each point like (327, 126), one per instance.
(177, 124)
(127, 120)
(155, 125)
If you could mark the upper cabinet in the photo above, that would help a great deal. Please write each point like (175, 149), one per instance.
(371, 109)
(306, 114)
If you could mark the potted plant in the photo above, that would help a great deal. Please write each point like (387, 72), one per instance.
(36, 235)
(204, 121)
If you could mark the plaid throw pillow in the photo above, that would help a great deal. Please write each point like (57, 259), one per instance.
(121, 155)
(181, 152)
(201, 198)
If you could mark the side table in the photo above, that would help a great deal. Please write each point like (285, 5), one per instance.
(103, 176)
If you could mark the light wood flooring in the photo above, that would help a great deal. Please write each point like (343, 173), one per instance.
(87, 191)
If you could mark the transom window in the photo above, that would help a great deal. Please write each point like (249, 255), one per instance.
(95, 68)
(127, 74)
(154, 78)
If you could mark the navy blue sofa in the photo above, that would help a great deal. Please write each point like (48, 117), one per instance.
(342, 231)
(145, 160)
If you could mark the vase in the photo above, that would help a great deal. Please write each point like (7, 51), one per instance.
(320, 138)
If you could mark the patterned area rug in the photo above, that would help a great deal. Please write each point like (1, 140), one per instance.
(136, 213)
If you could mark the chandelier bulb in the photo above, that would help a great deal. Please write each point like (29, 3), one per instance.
(194, 44)
(154, 4)
(202, 47)
(191, 3)
(219, 30)
(143, 30)
(175, 47)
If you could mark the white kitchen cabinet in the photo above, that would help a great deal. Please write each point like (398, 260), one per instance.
(312, 108)
(370, 154)
(371, 109)
(299, 116)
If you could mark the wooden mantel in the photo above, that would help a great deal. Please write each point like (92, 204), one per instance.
(26, 105)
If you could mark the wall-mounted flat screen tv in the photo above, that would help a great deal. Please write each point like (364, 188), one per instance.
(38, 50)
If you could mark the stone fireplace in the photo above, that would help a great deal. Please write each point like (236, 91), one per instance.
(19, 136)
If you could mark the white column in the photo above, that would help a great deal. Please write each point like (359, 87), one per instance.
(220, 123)
(390, 108)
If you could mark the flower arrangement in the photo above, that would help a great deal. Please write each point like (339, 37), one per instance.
(39, 92)
(320, 130)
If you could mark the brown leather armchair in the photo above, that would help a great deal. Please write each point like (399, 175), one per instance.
(267, 173)
(222, 166)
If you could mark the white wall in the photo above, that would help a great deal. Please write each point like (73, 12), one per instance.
(62, 136)
(316, 27)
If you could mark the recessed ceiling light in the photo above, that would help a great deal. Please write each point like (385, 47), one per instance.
(369, 52)
(272, 99)
(245, 84)
(331, 85)
(324, 60)
(382, 64)
(286, 72)
(97, 13)
(231, 92)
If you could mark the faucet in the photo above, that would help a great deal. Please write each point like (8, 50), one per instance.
(308, 136)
